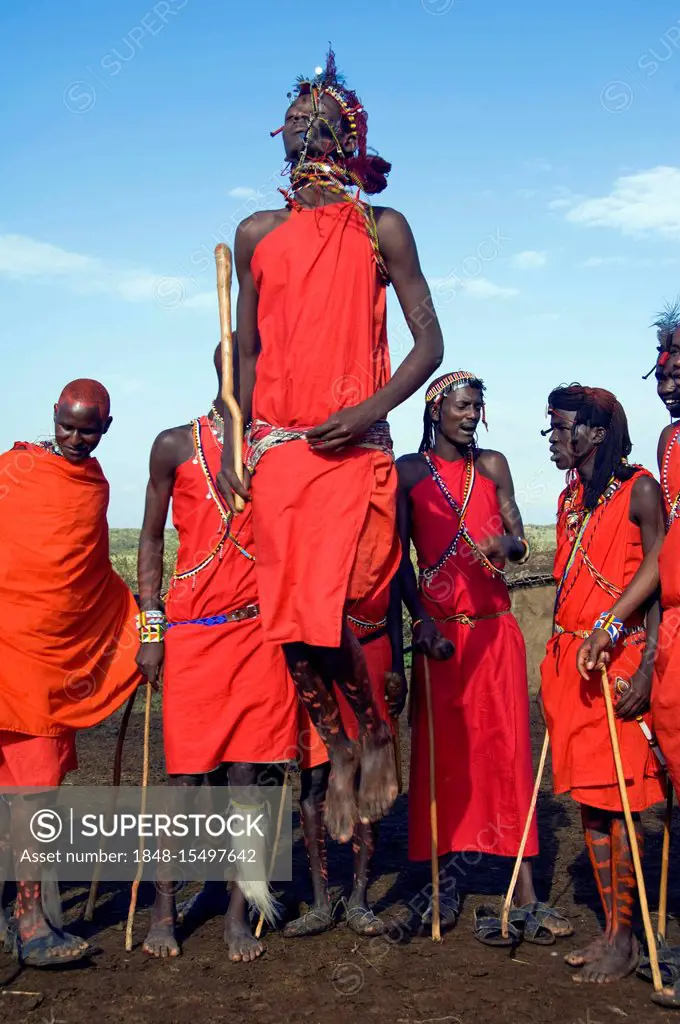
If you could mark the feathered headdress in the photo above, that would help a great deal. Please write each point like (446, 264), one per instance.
(367, 169)
(667, 323)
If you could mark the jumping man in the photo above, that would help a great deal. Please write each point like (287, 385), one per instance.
(316, 388)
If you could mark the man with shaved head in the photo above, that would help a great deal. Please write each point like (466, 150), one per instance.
(229, 705)
(67, 628)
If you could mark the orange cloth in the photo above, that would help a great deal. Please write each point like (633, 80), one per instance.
(666, 685)
(324, 525)
(67, 632)
(227, 695)
(36, 760)
(480, 697)
(366, 618)
(583, 763)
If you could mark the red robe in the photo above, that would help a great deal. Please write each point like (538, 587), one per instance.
(368, 622)
(666, 685)
(227, 695)
(68, 638)
(324, 525)
(480, 698)
(605, 561)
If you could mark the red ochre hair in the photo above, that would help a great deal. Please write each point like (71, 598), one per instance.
(87, 392)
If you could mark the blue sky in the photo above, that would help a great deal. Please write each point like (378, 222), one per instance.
(534, 153)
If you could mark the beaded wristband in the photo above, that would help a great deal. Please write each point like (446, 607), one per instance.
(527, 551)
(611, 625)
(151, 634)
(151, 618)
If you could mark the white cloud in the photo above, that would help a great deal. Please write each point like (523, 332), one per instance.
(538, 165)
(643, 203)
(242, 192)
(23, 258)
(445, 289)
(529, 259)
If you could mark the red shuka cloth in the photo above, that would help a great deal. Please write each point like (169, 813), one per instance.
(36, 760)
(227, 695)
(372, 614)
(583, 762)
(67, 621)
(666, 684)
(480, 698)
(324, 525)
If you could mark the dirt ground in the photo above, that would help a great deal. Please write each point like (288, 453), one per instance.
(401, 979)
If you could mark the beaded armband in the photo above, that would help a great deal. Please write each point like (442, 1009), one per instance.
(151, 627)
(611, 625)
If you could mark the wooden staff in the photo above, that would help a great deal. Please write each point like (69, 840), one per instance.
(632, 837)
(436, 929)
(665, 858)
(523, 845)
(275, 847)
(224, 265)
(117, 769)
(145, 781)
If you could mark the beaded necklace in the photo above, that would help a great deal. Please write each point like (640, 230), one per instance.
(329, 176)
(460, 510)
(225, 512)
(52, 447)
(217, 426)
(672, 504)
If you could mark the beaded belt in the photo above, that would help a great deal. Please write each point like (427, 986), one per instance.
(470, 620)
(261, 436)
(250, 611)
(367, 631)
(631, 633)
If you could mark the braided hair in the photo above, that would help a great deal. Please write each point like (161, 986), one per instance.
(595, 407)
(435, 395)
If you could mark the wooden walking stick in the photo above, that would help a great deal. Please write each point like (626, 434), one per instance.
(632, 838)
(665, 859)
(224, 265)
(275, 847)
(145, 781)
(117, 769)
(523, 845)
(436, 928)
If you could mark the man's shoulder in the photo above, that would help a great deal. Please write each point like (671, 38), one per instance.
(171, 446)
(253, 228)
(411, 468)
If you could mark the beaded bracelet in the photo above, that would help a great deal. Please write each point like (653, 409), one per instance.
(152, 634)
(151, 618)
(527, 551)
(611, 625)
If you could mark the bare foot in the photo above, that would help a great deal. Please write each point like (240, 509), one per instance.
(160, 940)
(618, 961)
(378, 786)
(341, 807)
(243, 946)
(589, 954)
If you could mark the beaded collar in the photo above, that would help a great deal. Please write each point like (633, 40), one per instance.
(672, 504)
(52, 447)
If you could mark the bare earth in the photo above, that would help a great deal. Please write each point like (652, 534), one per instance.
(400, 979)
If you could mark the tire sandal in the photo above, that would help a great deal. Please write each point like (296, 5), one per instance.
(489, 929)
(669, 966)
(530, 927)
(363, 921)
(449, 912)
(313, 922)
(37, 952)
(544, 913)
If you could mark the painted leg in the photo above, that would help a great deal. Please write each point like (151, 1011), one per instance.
(315, 692)
(314, 784)
(378, 781)
(360, 917)
(161, 940)
(597, 833)
(621, 953)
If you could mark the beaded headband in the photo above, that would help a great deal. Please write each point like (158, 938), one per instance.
(453, 382)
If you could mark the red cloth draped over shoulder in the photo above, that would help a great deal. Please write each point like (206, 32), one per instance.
(368, 622)
(227, 695)
(324, 525)
(666, 684)
(480, 700)
(608, 556)
(67, 632)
